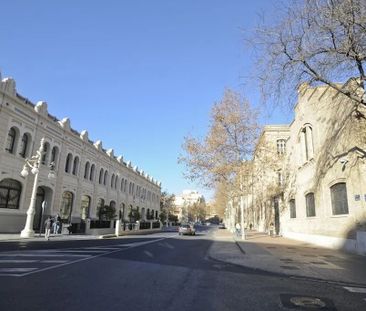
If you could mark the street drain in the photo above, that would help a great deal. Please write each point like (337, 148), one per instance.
(306, 302)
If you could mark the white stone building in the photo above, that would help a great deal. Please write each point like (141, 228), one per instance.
(320, 195)
(326, 191)
(88, 177)
(266, 183)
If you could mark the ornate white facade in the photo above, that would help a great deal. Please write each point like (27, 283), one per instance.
(88, 177)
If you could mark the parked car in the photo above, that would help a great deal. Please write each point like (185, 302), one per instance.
(186, 229)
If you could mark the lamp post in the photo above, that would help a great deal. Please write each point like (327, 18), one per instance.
(34, 163)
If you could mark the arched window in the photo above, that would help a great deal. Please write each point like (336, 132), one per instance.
(85, 207)
(152, 214)
(116, 182)
(46, 153)
(24, 146)
(86, 170)
(105, 178)
(11, 140)
(112, 204)
(112, 181)
(66, 205)
(292, 208)
(281, 146)
(310, 205)
(54, 155)
(156, 215)
(306, 139)
(92, 170)
(68, 163)
(101, 175)
(10, 191)
(279, 178)
(338, 194)
(122, 182)
(76, 166)
(125, 189)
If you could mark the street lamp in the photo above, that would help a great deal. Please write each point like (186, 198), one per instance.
(33, 164)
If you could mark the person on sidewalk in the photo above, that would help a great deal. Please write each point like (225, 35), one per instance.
(237, 227)
(271, 230)
(56, 224)
(47, 227)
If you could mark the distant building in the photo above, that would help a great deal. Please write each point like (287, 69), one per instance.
(184, 201)
(88, 177)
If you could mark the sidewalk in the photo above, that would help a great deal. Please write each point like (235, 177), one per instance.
(289, 257)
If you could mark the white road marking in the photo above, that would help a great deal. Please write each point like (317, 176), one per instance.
(44, 255)
(54, 261)
(65, 253)
(101, 248)
(17, 269)
(75, 251)
(17, 261)
(149, 254)
(356, 289)
(89, 257)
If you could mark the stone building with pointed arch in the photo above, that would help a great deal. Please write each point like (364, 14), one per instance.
(309, 179)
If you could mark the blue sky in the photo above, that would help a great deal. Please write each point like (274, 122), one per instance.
(138, 75)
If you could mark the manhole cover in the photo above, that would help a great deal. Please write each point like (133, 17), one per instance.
(299, 302)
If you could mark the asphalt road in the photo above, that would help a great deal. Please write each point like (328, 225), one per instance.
(157, 272)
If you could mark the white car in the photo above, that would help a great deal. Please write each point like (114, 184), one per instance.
(186, 229)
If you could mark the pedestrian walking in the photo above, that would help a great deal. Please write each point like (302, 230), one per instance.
(47, 227)
(56, 224)
(237, 227)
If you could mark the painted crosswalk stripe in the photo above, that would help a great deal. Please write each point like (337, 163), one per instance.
(356, 289)
(102, 248)
(54, 261)
(17, 261)
(17, 269)
(75, 251)
(44, 255)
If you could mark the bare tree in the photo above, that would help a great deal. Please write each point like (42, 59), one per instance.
(314, 41)
(230, 141)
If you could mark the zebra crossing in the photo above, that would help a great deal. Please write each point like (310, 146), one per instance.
(25, 262)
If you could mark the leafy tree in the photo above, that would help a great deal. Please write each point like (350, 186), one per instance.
(197, 211)
(314, 41)
(222, 156)
(134, 215)
(166, 206)
(107, 212)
